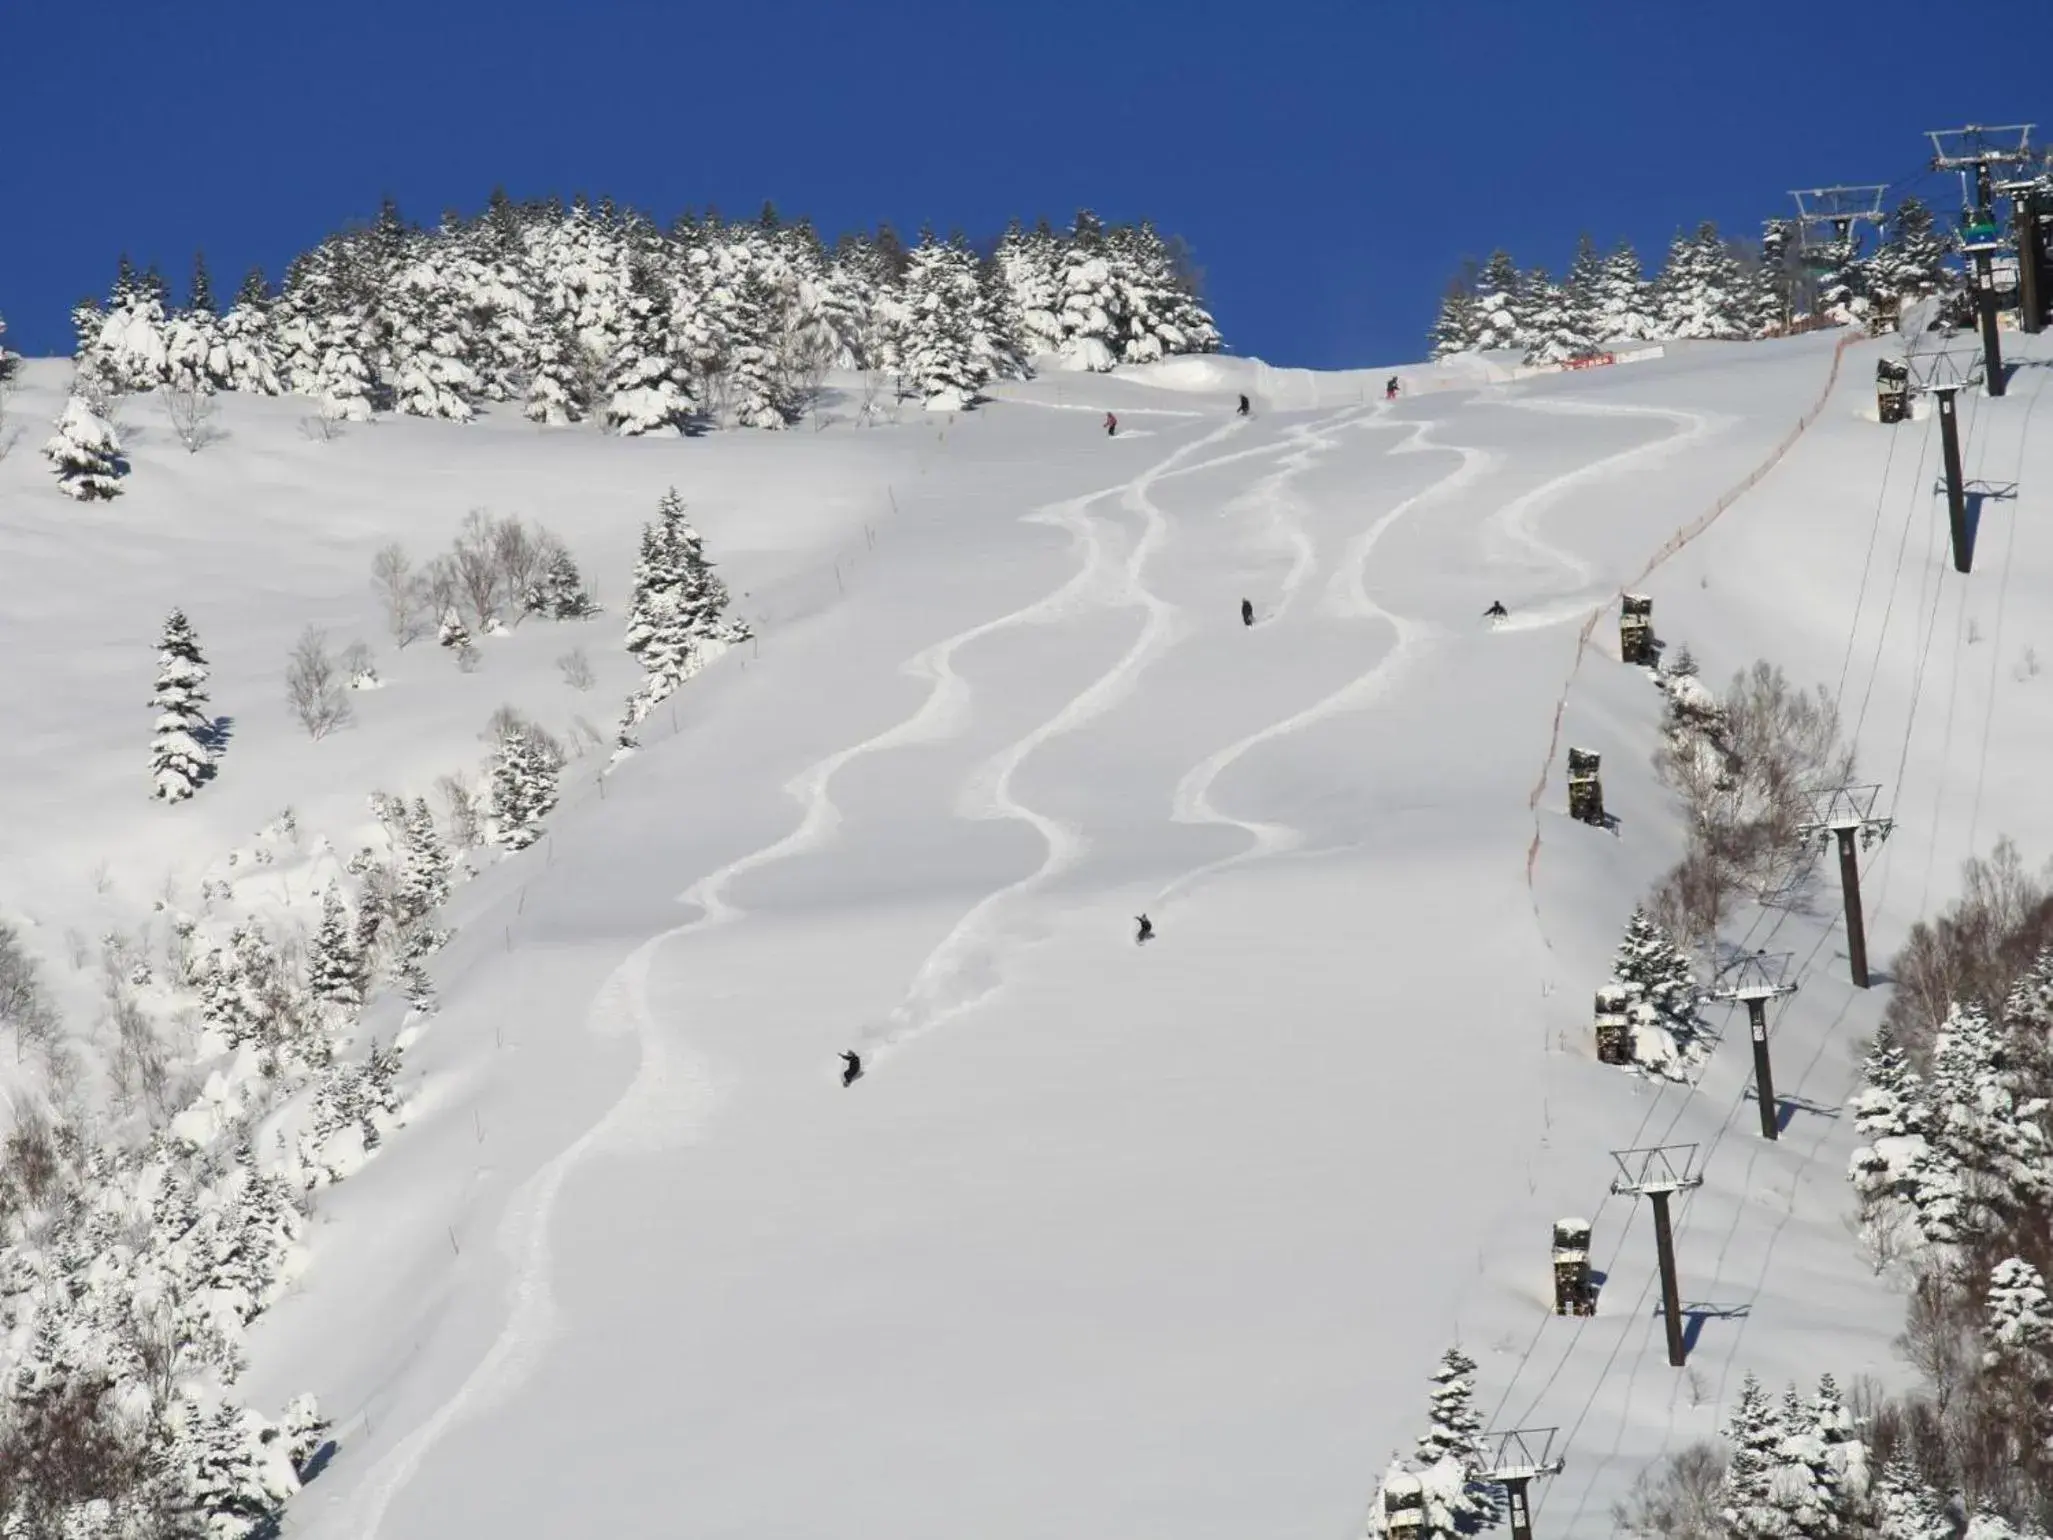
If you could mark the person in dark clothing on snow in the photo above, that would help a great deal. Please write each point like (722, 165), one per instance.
(1247, 613)
(1147, 930)
(853, 1070)
(1496, 611)
(1111, 425)
(1243, 406)
(1390, 389)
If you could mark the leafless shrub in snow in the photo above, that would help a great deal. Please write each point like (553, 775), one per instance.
(25, 1008)
(1691, 900)
(319, 429)
(191, 411)
(1971, 953)
(520, 553)
(358, 666)
(468, 658)
(584, 737)
(466, 828)
(401, 594)
(31, 1161)
(577, 669)
(804, 353)
(1678, 1499)
(474, 563)
(313, 686)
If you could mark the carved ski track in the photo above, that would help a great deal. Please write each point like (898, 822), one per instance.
(1346, 594)
(963, 969)
(673, 1091)
(1514, 521)
(1308, 439)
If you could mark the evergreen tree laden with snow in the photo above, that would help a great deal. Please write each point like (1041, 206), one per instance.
(1627, 308)
(940, 365)
(1702, 291)
(1499, 291)
(1754, 1433)
(86, 453)
(1459, 323)
(181, 759)
(559, 592)
(645, 385)
(1090, 299)
(1453, 1442)
(523, 788)
(336, 962)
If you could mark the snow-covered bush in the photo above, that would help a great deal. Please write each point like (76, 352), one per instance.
(86, 453)
(1660, 994)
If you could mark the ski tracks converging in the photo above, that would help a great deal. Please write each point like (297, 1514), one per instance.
(965, 968)
(1347, 595)
(673, 1092)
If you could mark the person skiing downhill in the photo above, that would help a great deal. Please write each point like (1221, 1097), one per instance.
(1146, 932)
(1247, 612)
(1243, 406)
(854, 1069)
(1496, 611)
(1111, 425)
(1390, 389)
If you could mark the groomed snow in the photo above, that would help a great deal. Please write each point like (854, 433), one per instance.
(1109, 1239)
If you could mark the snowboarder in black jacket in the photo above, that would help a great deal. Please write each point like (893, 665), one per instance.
(1243, 406)
(1147, 930)
(854, 1069)
(1496, 611)
(1247, 612)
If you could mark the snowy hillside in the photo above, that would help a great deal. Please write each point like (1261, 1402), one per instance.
(1107, 1239)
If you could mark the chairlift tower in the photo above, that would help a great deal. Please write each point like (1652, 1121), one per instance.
(1754, 982)
(1518, 1458)
(1659, 1172)
(1979, 150)
(1841, 813)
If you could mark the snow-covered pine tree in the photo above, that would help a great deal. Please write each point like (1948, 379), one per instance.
(1846, 1458)
(1628, 309)
(1161, 314)
(645, 384)
(997, 338)
(193, 355)
(428, 372)
(1755, 1436)
(523, 788)
(1499, 289)
(181, 756)
(753, 309)
(452, 632)
(336, 964)
(1583, 295)
(1909, 265)
(1993, 1137)
(1029, 264)
(939, 363)
(1803, 1487)
(1906, 1507)
(130, 348)
(1663, 996)
(1702, 292)
(1459, 323)
(2017, 1361)
(1454, 1435)
(1839, 278)
(1892, 1111)
(421, 884)
(245, 339)
(1556, 328)
(1777, 279)
(559, 592)
(1092, 324)
(86, 453)
(342, 381)
(496, 290)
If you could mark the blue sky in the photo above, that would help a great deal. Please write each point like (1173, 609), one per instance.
(1330, 162)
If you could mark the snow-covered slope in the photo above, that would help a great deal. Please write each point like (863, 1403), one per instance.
(1108, 1239)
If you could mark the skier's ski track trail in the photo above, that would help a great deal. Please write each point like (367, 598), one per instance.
(1513, 523)
(1346, 595)
(964, 969)
(674, 1092)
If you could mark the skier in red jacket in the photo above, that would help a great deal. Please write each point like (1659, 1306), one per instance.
(1111, 425)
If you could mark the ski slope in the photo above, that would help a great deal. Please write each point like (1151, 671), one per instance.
(1109, 1239)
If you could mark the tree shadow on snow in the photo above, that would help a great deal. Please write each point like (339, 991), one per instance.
(218, 733)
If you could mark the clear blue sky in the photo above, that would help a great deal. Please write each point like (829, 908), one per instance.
(1330, 161)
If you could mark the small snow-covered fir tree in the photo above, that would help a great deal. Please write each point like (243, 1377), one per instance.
(1906, 1507)
(1453, 1437)
(1663, 995)
(430, 372)
(1754, 1433)
(1499, 290)
(523, 788)
(1909, 265)
(559, 592)
(421, 884)
(1627, 309)
(645, 384)
(1090, 300)
(1803, 1487)
(336, 964)
(939, 364)
(181, 758)
(1702, 291)
(1029, 264)
(245, 340)
(1776, 279)
(1556, 326)
(1994, 1137)
(1458, 324)
(452, 632)
(1845, 1457)
(87, 453)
